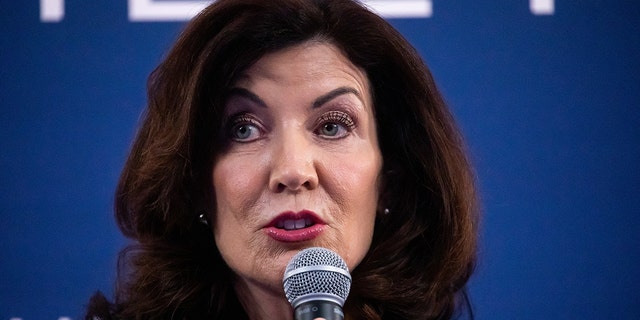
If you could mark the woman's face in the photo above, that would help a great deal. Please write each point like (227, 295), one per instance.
(302, 164)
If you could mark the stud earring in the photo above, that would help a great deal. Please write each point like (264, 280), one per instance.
(202, 218)
(386, 211)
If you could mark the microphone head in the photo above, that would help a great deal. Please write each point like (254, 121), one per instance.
(316, 274)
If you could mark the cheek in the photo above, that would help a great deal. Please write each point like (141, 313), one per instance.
(236, 191)
(357, 179)
(233, 193)
(235, 186)
(356, 187)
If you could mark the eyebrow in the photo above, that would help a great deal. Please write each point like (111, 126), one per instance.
(242, 92)
(333, 94)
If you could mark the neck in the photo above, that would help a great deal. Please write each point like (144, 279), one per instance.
(263, 303)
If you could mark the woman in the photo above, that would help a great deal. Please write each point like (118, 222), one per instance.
(273, 126)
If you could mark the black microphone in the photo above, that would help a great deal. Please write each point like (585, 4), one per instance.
(316, 283)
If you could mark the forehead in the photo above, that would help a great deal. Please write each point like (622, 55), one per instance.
(311, 65)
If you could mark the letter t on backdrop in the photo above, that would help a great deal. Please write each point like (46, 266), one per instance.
(542, 7)
(51, 10)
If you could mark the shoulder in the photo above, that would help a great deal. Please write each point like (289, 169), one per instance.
(99, 308)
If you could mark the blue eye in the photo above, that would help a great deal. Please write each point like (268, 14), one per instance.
(332, 129)
(335, 124)
(244, 132)
(244, 128)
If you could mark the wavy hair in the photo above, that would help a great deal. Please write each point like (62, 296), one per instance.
(423, 251)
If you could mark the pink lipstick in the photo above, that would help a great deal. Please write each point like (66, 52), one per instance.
(295, 227)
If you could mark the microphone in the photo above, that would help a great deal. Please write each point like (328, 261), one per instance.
(316, 283)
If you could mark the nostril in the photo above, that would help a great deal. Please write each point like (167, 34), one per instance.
(280, 187)
(292, 179)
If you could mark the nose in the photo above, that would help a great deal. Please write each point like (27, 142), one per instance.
(293, 167)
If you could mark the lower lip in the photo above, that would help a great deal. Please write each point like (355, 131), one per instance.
(298, 235)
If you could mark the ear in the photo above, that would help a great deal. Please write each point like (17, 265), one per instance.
(388, 180)
(203, 218)
(205, 205)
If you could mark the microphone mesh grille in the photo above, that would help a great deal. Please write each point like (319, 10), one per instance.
(316, 281)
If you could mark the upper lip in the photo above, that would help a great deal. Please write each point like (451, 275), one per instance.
(289, 219)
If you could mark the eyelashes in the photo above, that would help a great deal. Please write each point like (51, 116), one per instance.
(335, 124)
(338, 117)
(247, 127)
(244, 128)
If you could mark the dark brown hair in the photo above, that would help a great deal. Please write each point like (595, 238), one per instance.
(423, 251)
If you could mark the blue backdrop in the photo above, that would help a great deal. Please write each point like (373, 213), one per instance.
(549, 105)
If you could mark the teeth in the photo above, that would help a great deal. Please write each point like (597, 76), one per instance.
(290, 224)
(294, 224)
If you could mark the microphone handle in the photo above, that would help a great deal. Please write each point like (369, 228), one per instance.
(314, 309)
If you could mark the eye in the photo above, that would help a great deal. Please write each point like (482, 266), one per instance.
(331, 129)
(244, 128)
(335, 124)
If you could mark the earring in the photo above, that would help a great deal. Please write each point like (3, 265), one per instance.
(202, 218)
(386, 211)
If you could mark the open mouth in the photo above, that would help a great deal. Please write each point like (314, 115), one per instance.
(294, 224)
(295, 227)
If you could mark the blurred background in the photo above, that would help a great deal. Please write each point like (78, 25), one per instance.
(546, 92)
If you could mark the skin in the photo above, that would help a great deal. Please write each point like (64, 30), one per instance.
(302, 136)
